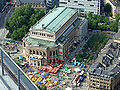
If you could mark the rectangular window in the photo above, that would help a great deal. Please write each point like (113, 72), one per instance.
(63, 2)
(92, 5)
(75, 1)
(81, 4)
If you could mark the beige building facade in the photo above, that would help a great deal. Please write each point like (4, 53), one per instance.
(115, 6)
(50, 38)
(33, 3)
(100, 79)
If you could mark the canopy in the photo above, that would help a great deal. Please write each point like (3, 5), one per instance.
(58, 88)
(43, 76)
(46, 73)
(16, 42)
(74, 59)
(29, 69)
(57, 75)
(77, 70)
(35, 72)
(20, 57)
(69, 71)
(38, 82)
(68, 88)
(66, 69)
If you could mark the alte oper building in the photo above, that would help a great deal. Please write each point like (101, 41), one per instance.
(52, 36)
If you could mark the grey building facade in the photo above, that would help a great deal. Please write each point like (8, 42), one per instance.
(2, 4)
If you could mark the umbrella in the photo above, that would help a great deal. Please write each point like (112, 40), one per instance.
(29, 69)
(35, 72)
(43, 76)
(46, 73)
(38, 82)
(57, 75)
(68, 88)
(66, 69)
(20, 57)
(58, 88)
(74, 59)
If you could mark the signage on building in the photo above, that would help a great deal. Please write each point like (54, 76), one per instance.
(60, 51)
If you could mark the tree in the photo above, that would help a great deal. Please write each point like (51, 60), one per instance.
(90, 15)
(21, 20)
(107, 8)
(114, 26)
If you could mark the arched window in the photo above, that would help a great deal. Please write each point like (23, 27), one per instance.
(53, 60)
(50, 53)
(40, 53)
(37, 52)
(33, 52)
(30, 51)
(56, 52)
(44, 54)
(53, 53)
(38, 63)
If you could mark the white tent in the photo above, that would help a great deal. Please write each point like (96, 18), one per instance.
(68, 88)
(77, 70)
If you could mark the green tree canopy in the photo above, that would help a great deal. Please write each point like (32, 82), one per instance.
(21, 20)
(107, 8)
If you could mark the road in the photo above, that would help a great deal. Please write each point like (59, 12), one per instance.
(4, 17)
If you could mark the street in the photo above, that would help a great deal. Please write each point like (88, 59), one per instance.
(4, 17)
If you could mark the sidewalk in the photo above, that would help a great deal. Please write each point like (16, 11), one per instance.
(6, 83)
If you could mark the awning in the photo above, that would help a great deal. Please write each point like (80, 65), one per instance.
(34, 58)
(29, 69)
(46, 73)
(43, 76)
(38, 82)
(20, 57)
(68, 88)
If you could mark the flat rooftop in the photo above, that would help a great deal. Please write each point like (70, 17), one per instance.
(55, 19)
(41, 2)
(39, 43)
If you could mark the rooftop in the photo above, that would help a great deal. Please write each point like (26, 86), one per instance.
(40, 43)
(55, 19)
(41, 2)
(97, 69)
(115, 2)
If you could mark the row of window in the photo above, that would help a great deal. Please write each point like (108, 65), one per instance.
(77, 1)
(53, 53)
(78, 4)
(99, 78)
(99, 88)
(42, 34)
(37, 52)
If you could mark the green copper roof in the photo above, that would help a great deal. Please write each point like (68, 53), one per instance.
(39, 42)
(55, 19)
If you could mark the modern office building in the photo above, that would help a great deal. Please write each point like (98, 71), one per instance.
(2, 4)
(100, 78)
(115, 4)
(82, 6)
(33, 3)
(52, 36)
(50, 4)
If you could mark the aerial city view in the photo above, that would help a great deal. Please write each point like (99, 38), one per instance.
(59, 44)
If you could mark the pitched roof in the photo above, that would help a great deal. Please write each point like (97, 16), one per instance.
(55, 19)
